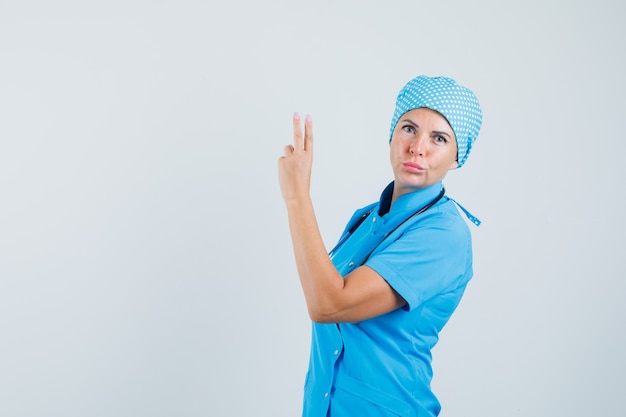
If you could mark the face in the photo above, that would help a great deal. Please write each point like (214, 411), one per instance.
(422, 150)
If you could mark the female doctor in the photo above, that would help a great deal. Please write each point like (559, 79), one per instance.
(379, 301)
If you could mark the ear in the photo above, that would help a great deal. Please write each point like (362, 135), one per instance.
(454, 165)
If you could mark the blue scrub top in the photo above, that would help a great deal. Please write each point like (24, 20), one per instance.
(382, 366)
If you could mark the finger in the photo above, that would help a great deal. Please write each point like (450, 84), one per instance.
(288, 150)
(297, 132)
(308, 133)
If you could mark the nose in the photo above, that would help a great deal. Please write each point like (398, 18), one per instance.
(416, 146)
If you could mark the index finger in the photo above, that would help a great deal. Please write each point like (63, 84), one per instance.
(297, 132)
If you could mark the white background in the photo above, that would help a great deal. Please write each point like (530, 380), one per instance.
(145, 262)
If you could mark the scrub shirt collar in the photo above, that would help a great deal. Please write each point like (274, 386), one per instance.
(407, 202)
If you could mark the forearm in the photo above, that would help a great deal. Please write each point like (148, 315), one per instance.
(320, 280)
(330, 298)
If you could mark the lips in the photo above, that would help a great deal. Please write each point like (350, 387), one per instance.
(413, 167)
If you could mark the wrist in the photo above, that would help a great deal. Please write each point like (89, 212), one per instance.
(297, 202)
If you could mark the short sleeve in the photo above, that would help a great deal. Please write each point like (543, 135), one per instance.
(434, 255)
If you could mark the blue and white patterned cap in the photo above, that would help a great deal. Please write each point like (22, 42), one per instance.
(455, 102)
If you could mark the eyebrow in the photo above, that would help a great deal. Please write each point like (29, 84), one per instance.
(441, 132)
(438, 132)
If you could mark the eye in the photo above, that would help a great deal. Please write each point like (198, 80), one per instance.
(408, 128)
(441, 139)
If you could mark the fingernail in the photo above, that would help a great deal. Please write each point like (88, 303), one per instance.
(308, 118)
(296, 115)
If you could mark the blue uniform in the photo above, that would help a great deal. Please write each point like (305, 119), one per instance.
(382, 366)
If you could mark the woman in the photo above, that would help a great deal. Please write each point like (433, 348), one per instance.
(380, 299)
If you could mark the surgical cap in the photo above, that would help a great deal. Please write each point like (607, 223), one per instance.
(456, 103)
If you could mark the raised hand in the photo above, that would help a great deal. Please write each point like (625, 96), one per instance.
(294, 167)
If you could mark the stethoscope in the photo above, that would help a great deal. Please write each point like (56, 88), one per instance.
(361, 219)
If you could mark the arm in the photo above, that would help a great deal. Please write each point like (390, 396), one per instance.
(330, 297)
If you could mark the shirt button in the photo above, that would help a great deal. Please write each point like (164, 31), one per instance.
(336, 352)
(351, 264)
(326, 395)
(374, 220)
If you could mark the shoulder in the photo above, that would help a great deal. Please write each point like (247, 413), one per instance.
(431, 255)
(438, 240)
(442, 222)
